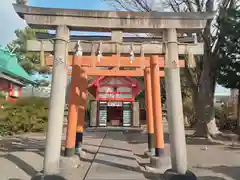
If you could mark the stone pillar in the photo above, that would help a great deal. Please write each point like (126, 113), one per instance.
(73, 101)
(117, 36)
(82, 84)
(57, 101)
(42, 55)
(149, 110)
(174, 106)
(93, 114)
(136, 114)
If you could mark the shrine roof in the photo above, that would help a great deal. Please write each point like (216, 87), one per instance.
(96, 82)
(9, 66)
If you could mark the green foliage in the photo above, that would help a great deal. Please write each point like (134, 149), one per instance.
(229, 48)
(30, 61)
(2, 96)
(224, 118)
(27, 115)
(186, 90)
(43, 82)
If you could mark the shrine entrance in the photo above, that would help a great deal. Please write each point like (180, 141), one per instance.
(92, 56)
(111, 114)
(115, 114)
(114, 101)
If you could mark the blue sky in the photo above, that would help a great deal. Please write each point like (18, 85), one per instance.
(13, 22)
(71, 4)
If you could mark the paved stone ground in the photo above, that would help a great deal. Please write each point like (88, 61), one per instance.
(207, 160)
(115, 155)
(114, 160)
(106, 156)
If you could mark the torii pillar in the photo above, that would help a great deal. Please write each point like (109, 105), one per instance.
(149, 111)
(175, 111)
(57, 102)
(77, 104)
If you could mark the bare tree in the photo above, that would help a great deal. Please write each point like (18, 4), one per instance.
(201, 79)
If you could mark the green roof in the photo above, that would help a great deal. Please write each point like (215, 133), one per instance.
(9, 65)
(4, 76)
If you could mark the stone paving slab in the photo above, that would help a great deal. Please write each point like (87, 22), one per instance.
(209, 161)
(91, 143)
(114, 160)
(22, 156)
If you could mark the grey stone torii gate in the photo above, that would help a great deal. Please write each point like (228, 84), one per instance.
(64, 20)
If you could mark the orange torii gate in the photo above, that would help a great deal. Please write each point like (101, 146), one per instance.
(84, 66)
(89, 64)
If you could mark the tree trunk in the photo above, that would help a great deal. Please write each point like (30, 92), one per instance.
(235, 104)
(195, 102)
(206, 124)
(238, 109)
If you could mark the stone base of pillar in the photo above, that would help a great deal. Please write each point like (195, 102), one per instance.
(48, 177)
(171, 175)
(69, 152)
(150, 153)
(159, 164)
(80, 152)
(69, 162)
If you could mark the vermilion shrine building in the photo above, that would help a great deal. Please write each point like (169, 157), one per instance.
(12, 76)
(115, 101)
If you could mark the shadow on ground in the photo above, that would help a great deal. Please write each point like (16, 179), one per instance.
(48, 177)
(13, 144)
(210, 178)
(148, 175)
(141, 138)
(230, 171)
(11, 147)
(232, 147)
(108, 154)
(18, 144)
(21, 164)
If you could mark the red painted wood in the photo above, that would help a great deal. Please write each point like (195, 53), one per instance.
(117, 85)
(115, 92)
(8, 86)
(116, 99)
(127, 82)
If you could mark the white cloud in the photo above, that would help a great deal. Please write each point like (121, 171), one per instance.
(9, 22)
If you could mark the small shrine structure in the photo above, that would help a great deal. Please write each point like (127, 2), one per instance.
(12, 76)
(115, 101)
